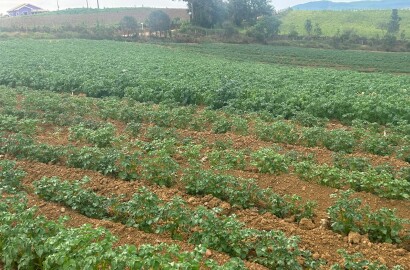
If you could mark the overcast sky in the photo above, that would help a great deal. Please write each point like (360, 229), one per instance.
(52, 4)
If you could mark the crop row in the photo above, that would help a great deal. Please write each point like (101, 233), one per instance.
(155, 163)
(183, 77)
(147, 212)
(346, 172)
(345, 213)
(30, 241)
(38, 107)
(92, 248)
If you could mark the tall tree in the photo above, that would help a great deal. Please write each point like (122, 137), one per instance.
(248, 11)
(206, 13)
(159, 21)
(129, 25)
(394, 24)
(266, 28)
(317, 30)
(308, 26)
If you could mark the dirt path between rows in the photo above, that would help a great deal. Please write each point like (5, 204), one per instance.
(323, 242)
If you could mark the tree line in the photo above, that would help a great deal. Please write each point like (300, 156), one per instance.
(210, 13)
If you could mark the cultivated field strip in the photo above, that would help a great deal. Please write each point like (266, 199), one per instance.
(256, 164)
(356, 172)
(166, 74)
(150, 138)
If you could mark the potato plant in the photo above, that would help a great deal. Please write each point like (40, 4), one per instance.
(10, 177)
(348, 214)
(356, 262)
(244, 193)
(149, 213)
(30, 241)
(101, 137)
(269, 161)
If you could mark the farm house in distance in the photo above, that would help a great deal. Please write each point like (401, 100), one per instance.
(25, 9)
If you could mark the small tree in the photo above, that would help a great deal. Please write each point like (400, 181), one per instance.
(266, 27)
(206, 13)
(129, 25)
(308, 26)
(248, 10)
(394, 24)
(403, 35)
(317, 30)
(159, 21)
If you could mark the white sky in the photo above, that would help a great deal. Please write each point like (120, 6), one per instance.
(52, 4)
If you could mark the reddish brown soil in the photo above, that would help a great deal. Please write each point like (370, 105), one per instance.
(124, 234)
(251, 142)
(323, 242)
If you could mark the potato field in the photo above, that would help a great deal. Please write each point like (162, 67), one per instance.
(117, 155)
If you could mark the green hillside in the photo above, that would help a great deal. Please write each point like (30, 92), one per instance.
(368, 23)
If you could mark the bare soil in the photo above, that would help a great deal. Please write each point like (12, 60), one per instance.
(321, 241)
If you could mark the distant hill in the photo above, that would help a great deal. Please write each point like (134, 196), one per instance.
(89, 17)
(358, 5)
(367, 23)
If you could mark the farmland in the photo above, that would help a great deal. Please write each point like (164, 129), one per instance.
(182, 156)
(366, 23)
(89, 17)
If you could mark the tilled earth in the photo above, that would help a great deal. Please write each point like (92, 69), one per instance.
(321, 241)
(313, 236)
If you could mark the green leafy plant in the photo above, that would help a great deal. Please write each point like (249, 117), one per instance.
(278, 131)
(313, 136)
(377, 145)
(339, 140)
(356, 262)
(101, 136)
(159, 168)
(347, 214)
(245, 193)
(103, 160)
(222, 125)
(384, 226)
(73, 195)
(227, 159)
(351, 163)
(29, 241)
(133, 128)
(199, 226)
(10, 177)
(269, 161)
(160, 133)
